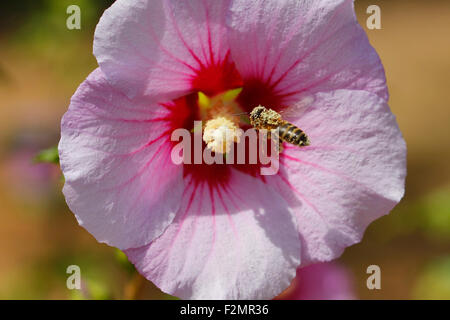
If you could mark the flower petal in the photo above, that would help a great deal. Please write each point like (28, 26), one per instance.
(115, 156)
(157, 48)
(297, 45)
(240, 242)
(352, 173)
(322, 281)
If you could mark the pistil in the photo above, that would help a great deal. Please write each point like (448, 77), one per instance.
(220, 133)
(221, 127)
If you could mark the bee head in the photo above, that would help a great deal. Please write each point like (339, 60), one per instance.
(263, 118)
(257, 112)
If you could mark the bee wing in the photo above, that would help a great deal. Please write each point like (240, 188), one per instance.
(297, 109)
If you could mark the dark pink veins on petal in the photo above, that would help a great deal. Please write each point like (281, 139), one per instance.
(214, 79)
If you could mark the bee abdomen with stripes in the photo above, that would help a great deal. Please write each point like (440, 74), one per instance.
(293, 134)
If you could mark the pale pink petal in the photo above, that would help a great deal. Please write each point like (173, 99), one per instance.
(352, 173)
(297, 45)
(322, 281)
(239, 244)
(157, 48)
(115, 157)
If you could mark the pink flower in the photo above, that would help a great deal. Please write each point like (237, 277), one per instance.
(322, 281)
(28, 180)
(224, 231)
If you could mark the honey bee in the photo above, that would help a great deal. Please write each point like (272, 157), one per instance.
(263, 118)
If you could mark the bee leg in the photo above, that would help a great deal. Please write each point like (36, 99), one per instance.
(280, 142)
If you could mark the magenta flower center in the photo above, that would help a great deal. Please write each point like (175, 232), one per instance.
(212, 80)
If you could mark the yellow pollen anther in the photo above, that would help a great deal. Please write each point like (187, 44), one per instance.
(220, 133)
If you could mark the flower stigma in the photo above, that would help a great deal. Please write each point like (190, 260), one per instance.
(220, 133)
(221, 128)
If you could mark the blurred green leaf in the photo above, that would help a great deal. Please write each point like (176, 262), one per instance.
(437, 208)
(428, 215)
(434, 282)
(48, 156)
(98, 290)
(123, 261)
(76, 295)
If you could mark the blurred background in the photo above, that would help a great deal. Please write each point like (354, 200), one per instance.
(41, 65)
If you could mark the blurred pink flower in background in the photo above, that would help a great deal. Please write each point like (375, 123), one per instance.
(322, 281)
(224, 231)
(27, 180)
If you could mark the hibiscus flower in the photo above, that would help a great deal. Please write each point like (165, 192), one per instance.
(223, 230)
